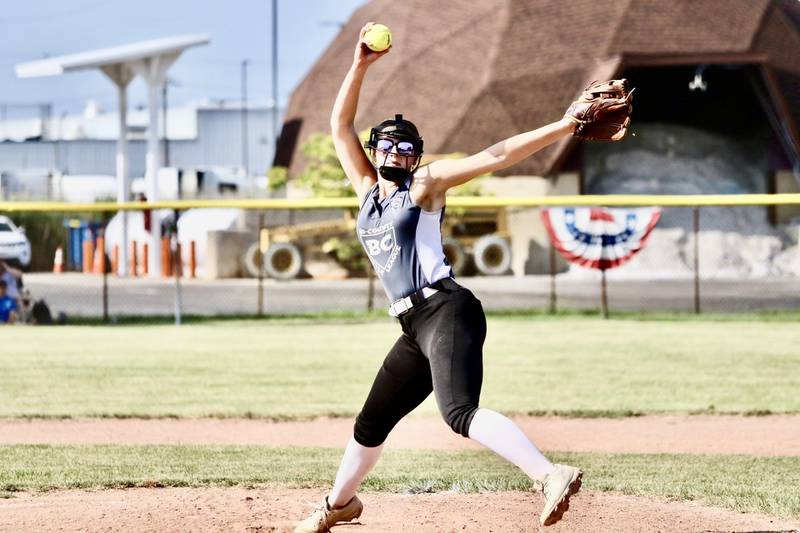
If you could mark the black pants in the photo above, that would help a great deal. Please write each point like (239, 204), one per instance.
(440, 350)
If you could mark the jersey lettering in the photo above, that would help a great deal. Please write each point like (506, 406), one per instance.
(381, 245)
(373, 246)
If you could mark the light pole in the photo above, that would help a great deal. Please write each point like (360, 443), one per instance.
(275, 75)
(245, 136)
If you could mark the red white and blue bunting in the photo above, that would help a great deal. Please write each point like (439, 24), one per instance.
(600, 238)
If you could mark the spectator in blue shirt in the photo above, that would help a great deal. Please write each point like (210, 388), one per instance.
(8, 306)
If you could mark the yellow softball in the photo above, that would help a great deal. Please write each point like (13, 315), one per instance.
(377, 38)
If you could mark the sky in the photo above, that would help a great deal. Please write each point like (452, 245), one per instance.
(239, 29)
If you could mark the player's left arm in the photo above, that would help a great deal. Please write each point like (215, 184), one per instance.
(447, 173)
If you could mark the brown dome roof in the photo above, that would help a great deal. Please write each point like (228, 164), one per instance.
(471, 73)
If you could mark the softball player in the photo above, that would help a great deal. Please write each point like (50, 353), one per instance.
(443, 324)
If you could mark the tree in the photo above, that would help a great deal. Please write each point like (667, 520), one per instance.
(323, 175)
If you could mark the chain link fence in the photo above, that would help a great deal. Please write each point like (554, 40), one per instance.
(251, 262)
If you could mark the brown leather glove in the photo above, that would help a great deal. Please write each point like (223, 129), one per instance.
(603, 111)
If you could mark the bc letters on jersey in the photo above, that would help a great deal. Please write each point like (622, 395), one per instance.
(381, 246)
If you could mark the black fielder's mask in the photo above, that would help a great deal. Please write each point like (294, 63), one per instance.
(400, 135)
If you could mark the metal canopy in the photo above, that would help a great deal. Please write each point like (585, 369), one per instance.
(53, 66)
(151, 60)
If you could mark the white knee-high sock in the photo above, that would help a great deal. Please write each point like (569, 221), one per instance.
(356, 463)
(504, 438)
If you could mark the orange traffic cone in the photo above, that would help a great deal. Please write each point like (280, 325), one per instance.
(58, 261)
(134, 266)
(99, 256)
(145, 259)
(115, 259)
(192, 259)
(166, 257)
(88, 256)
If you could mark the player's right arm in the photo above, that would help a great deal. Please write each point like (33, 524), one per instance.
(356, 165)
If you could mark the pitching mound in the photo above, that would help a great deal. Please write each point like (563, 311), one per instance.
(274, 509)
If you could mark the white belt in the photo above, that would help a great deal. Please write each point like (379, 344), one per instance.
(403, 305)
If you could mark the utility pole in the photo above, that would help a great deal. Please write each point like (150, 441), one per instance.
(275, 75)
(245, 136)
(46, 115)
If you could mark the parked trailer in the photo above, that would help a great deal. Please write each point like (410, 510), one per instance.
(285, 248)
(476, 238)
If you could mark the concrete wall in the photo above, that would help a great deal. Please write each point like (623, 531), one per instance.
(224, 251)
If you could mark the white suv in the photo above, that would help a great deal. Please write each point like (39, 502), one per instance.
(14, 244)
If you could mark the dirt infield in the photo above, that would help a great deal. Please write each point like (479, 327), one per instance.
(764, 435)
(274, 509)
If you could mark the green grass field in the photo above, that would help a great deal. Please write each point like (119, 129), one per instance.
(301, 368)
(725, 480)
(297, 368)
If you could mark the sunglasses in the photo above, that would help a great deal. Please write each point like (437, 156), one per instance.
(403, 147)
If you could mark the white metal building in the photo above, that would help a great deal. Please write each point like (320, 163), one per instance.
(203, 135)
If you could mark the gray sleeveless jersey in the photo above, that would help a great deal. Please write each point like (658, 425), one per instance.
(403, 242)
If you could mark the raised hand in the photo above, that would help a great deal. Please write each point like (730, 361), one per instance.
(363, 55)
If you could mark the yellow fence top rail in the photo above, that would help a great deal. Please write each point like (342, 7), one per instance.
(611, 200)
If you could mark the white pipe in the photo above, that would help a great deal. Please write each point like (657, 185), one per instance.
(153, 163)
(122, 175)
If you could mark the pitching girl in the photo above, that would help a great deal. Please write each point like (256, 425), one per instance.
(443, 324)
